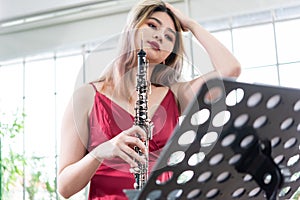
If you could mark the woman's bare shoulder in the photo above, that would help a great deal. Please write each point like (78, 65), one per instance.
(83, 97)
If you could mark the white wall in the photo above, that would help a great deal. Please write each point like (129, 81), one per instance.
(59, 36)
(16, 43)
(11, 9)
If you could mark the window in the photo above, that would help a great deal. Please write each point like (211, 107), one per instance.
(254, 46)
(267, 50)
(289, 75)
(288, 42)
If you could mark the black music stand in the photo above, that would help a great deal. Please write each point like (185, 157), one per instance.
(236, 141)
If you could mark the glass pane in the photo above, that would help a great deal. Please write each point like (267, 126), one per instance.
(39, 108)
(288, 42)
(289, 75)
(225, 38)
(97, 62)
(261, 75)
(11, 87)
(254, 46)
(68, 77)
(201, 61)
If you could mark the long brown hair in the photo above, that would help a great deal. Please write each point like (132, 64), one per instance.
(120, 72)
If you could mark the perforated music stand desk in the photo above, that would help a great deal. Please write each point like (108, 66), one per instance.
(236, 141)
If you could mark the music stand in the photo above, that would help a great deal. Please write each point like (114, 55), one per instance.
(236, 141)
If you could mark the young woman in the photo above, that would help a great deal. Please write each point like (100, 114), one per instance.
(98, 134)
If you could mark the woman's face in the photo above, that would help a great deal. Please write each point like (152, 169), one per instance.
(159, 36)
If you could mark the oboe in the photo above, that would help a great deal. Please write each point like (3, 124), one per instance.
(141, 116)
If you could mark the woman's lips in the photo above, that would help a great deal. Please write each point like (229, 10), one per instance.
(154, 45)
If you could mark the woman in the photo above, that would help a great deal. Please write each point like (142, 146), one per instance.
(98, 135)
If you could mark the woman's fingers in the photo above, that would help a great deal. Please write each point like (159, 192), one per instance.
(136, 131)
(134, 155)
(134, 141)
(124, 156)
(182, 18)
(125, 143)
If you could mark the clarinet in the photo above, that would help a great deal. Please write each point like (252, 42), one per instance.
(141, 117)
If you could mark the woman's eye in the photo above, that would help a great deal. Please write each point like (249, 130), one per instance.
(169, 38)
(152, 26)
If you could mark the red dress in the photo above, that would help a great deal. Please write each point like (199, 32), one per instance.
(107, 119)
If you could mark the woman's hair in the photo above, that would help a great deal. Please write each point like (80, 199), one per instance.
(120, 72)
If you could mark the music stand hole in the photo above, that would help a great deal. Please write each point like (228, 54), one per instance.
(273, 101)
(216, 159)
(267, 178)
(234, 159)
(234, 97)
(176, 157)
(185, 177)
(228, 140)
(196, 158)
(224, 176)
(208, 139)
(275, 141)
(238, 193)
(290, 143)
(247, 178)
(155, 194)
(221, 118)
(259, 122)
(241, 120)
(278, 159)
(187, 138)
(295, 176)
(164, 177)
(195, 193)
(175, 194)
(298, 127)
(297, 106)
(254, 192)
(293, 160)
(286, 124)
(247, 141)
(285, 172)
(254, 99)
(200, 117)
(284, 191)
(212, 193)
(204, 177)
(213, 95)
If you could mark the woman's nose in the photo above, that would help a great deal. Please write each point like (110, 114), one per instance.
(158, 36)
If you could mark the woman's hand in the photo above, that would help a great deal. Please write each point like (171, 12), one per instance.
(122, 146)
(185, 21)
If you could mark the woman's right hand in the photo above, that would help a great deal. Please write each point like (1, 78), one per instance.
(122, 146)
(185, 21)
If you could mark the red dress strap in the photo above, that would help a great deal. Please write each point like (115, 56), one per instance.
(93, 86)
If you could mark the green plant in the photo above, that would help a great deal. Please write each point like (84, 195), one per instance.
(38, 179)
(35, 175)
(11, 162)
(51, 188)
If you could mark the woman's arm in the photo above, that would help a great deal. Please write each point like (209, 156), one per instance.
(224, 63)
(76, 167)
